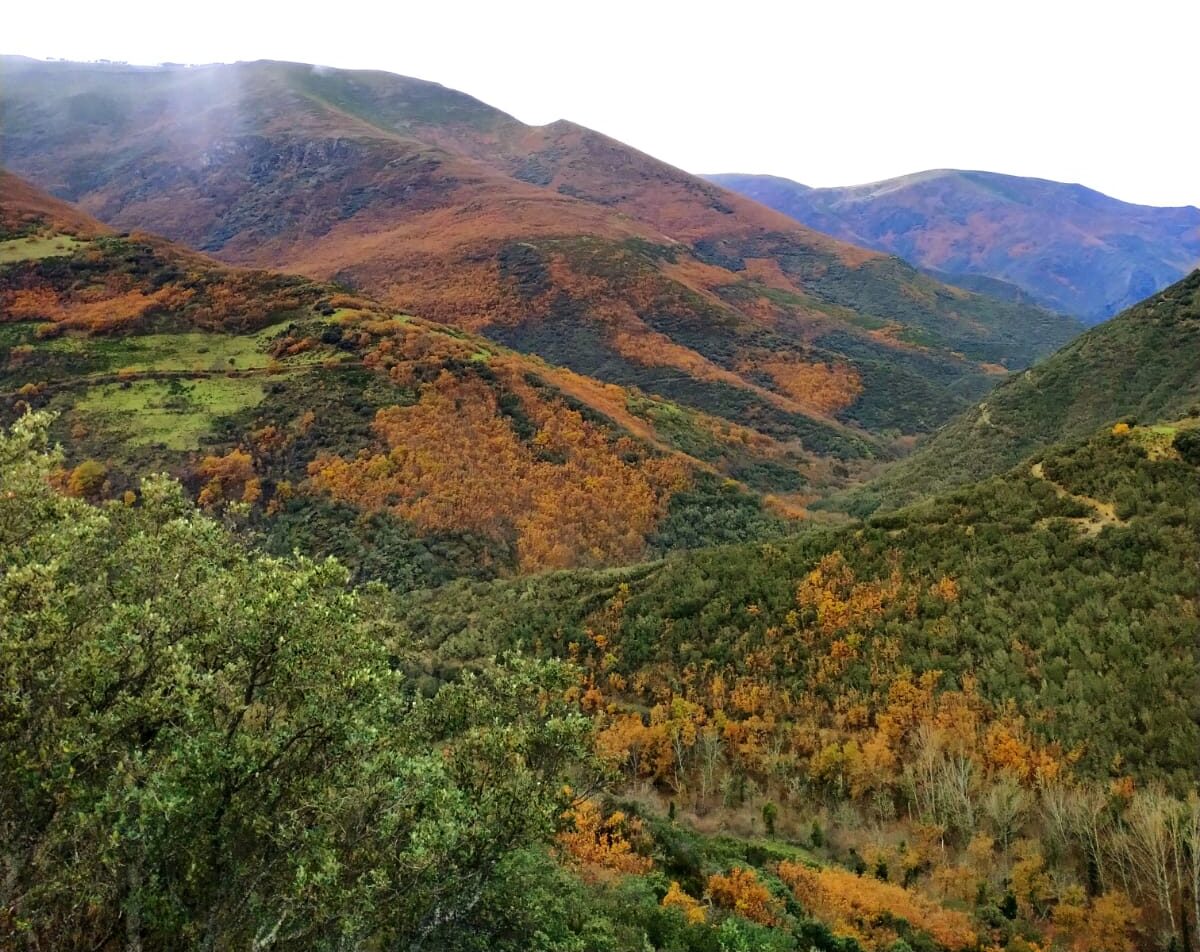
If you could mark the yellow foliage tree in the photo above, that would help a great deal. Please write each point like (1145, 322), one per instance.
(692, 908)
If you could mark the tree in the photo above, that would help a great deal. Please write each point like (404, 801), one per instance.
(1187, 444)
(205, 748)
(770, 812)
(87, 479)
(1107, 925)
(740, 891)
(691, 908)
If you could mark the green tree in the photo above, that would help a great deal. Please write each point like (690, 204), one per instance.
(205, 748)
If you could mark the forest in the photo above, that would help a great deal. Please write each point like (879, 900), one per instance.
(833, 741)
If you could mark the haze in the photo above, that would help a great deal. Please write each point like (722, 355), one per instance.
(827, 94)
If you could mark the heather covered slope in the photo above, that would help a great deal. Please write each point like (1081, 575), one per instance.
(414, 451)
(1142, 365)
(1065, 247)
(553, 240)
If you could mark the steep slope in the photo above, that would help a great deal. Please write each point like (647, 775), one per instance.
(1068, 516)
(1066, 247)
(415, 451)
(1144, 364)
(553, 240)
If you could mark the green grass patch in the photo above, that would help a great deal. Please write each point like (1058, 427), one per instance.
(38, 246)
(194, 351)
(175, 414)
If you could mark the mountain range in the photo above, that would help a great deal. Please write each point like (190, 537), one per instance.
(1066, 247)
(553, 240)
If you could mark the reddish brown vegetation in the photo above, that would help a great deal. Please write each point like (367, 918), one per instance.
(818, 387)
(853, 906)
(25, 208)
(567, 496)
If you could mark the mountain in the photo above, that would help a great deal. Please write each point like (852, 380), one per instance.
(499, 718)
(414, 451)
(1142, 365)
(1065, 247)
(552, 240)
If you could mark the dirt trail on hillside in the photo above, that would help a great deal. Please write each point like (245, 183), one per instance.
(1102, 513)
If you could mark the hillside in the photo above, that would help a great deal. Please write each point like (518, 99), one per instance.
(414, 451)
(1141, 365)
(1065, 247)
(949, 699)
(552, 240)
(837, 743)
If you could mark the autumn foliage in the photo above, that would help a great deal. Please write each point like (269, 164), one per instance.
(603, 845)
(566, 495)
(821, 387)
(854, 905)
(126, 284)
(691, 908)
(229, 478)
(740, 891)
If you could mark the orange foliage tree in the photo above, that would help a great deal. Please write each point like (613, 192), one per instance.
(853, 905)
(604, 844)
(228, 478)
(741, 892)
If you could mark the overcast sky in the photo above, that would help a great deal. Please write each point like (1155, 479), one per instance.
(829, 93)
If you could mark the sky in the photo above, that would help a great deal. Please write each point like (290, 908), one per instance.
(839, 92)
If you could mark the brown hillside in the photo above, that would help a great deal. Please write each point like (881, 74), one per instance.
(412, 450)
(24, 209)
(553, 240)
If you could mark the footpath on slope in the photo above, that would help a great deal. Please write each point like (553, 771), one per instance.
(1102, 513)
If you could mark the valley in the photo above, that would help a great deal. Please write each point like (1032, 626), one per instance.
(423, 529)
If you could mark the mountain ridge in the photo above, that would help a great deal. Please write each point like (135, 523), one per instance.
(1069, 247)
(413, 450)
(1140, 365)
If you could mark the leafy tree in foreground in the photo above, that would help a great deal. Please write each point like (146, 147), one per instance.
(203, 748)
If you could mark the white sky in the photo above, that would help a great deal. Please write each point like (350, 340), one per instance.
(1103, 92)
